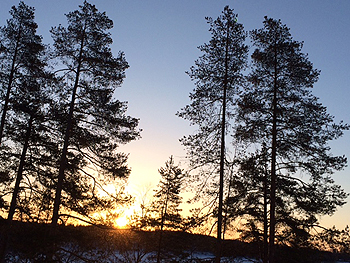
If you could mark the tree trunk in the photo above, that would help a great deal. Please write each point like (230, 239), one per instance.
(225, 218)
(4, 238)
(222, 153)
(161, 229)
(273, 171)
(20, 170)
(63, 160)
(265, 242)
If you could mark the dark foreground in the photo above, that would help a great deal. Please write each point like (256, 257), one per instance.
(27, 242)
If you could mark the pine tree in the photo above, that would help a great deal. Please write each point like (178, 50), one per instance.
(25, 97)
(167, 196)
(165, 211)
(23, 79)
(20, 46)
(93, 122)
(218, 76)
(279, 111)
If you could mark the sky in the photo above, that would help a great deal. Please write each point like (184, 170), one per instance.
(160, 40)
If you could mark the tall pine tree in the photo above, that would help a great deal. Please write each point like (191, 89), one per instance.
(23, 81)
(93, 122)
(23, 78)
(280, 112)
(218, 76)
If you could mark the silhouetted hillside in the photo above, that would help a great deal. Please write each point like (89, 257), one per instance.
(42, 243)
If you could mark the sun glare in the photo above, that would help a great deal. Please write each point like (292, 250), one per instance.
(121, 222)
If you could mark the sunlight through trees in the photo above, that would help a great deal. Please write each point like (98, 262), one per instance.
(258, 167)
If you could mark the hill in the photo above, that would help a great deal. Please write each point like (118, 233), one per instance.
(29, 242)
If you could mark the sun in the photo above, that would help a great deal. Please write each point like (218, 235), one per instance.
(121, 222)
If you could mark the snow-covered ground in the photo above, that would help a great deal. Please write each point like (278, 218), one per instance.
(197, 257)
(140, 257)
(73, 254)
(132, 257)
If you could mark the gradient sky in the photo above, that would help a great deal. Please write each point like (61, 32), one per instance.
(160, 39)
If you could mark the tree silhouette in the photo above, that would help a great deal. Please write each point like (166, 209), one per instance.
(93, 122)
(165, 207)
(248, 199)
(218, 76)
(278, 110)
(20, 54)
(22, 77)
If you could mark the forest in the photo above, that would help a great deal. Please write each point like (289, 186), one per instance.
(259, 167)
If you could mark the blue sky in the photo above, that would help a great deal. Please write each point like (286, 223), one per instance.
(160, 39)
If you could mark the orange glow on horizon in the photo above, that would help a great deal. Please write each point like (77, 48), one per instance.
(121, 222)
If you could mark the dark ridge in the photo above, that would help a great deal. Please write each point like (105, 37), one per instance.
(42, 243)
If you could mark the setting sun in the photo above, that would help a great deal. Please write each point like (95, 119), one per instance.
(121, 222)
